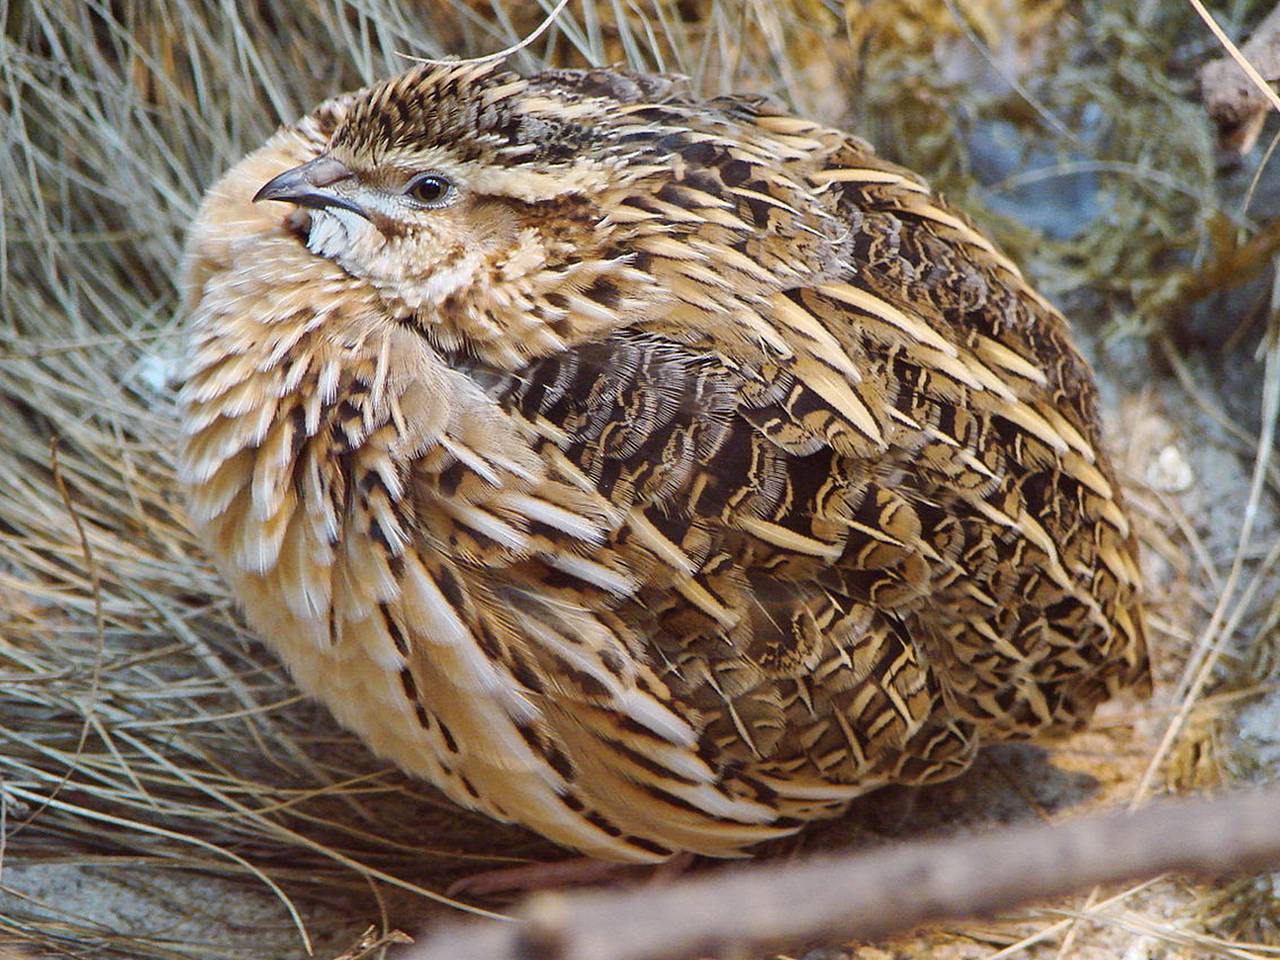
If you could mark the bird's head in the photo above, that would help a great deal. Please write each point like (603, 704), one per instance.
(455, 180)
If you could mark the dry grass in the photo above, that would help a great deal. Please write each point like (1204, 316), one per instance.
(164, 793)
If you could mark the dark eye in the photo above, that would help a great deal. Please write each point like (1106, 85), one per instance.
(429, 189)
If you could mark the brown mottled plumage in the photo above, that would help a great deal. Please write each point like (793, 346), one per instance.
(657, 473)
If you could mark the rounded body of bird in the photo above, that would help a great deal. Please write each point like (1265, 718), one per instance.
(657, 473)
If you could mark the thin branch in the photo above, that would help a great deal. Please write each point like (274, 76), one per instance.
(1235, 88)
(747, 910)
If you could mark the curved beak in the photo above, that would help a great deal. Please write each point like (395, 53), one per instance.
(305, 185)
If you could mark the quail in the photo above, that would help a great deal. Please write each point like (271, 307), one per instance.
(656, 472)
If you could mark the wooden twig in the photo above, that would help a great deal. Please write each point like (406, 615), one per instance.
(1236, 102)
(750, 909)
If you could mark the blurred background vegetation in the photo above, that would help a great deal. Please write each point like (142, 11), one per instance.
(163, 790)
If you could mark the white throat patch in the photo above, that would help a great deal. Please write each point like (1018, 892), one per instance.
(334, 231)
